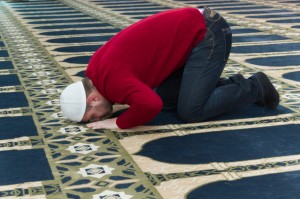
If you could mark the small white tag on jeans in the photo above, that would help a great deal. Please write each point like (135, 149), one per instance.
(201, 10)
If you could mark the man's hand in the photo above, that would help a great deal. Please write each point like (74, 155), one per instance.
(104, 124)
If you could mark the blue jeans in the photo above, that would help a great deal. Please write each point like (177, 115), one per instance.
(194, 89)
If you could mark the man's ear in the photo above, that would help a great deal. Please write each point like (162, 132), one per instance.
(93, 99)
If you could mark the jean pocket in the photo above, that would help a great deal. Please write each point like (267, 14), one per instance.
(228, 41)
(204, 49)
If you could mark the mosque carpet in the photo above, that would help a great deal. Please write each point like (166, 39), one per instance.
(247, 153)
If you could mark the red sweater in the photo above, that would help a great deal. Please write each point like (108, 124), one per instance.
(127, 68)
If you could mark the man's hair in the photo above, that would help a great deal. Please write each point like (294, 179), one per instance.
(88, 86)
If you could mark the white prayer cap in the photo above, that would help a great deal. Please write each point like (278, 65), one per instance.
(73, 101)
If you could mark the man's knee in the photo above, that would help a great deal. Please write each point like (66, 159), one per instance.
(189, 115)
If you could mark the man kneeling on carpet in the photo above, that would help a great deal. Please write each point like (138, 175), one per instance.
(171, 60)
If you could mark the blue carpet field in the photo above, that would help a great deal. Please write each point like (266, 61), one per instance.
(249, 153)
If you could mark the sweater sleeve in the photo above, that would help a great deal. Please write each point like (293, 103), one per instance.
(144, 105)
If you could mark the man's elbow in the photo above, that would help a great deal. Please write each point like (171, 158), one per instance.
(155, 106)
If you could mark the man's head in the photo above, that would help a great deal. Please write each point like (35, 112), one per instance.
(81, 102)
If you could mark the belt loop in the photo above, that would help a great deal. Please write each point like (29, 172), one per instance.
(208, 13)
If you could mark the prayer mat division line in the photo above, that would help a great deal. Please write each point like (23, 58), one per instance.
(248, 153)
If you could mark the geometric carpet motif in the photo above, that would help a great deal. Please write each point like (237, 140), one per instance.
(248, 153)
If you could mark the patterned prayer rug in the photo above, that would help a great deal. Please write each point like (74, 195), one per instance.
(248, 153)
